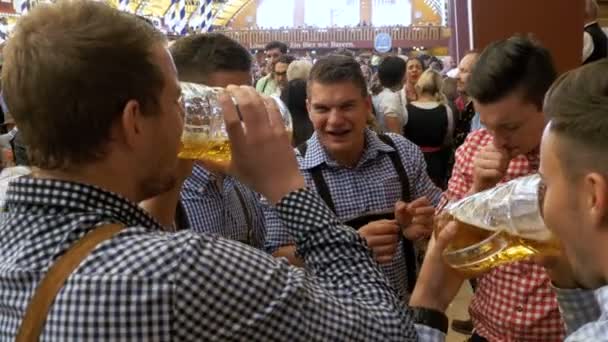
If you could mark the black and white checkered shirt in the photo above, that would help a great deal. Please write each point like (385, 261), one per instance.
(231, 211)
(148, 285)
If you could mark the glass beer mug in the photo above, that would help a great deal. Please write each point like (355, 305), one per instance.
(204, 135)
(498, 226)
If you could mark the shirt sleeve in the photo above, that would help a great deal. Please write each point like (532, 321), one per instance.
(577, 307)
(225, 291)
(277, 234)
(390, 106)
(428, 334)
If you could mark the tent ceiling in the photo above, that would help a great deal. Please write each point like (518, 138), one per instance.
(223, 10)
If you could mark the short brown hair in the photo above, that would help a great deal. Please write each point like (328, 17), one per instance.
(337, 69)
(519, 63)
(276, 45)
(577, 105)
(199, 55)
(69, 70)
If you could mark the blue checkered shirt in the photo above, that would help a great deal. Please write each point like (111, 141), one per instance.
(145, 284)
(372, 186)
(210, 209)
(585, 313)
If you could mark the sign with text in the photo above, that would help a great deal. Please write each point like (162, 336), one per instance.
(355, 44)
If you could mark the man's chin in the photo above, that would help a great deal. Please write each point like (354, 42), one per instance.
(338, 148)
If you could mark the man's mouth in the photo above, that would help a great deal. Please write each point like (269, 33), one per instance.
(338, 133)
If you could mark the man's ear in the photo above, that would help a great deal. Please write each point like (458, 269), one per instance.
(130, 125)
(596, 194)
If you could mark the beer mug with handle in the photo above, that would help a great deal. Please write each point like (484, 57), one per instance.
(498, 226)
(204, 136)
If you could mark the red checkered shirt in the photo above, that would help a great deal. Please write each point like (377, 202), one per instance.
(514, 302)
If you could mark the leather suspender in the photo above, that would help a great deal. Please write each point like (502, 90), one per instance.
(40, 304)
(247, 213)
(323, 190)
(317, 177)
(398, 165)
(409, 252)
(181, 219)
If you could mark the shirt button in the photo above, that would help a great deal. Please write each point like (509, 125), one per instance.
(519, 308)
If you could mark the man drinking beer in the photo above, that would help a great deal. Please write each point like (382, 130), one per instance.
(514, 302)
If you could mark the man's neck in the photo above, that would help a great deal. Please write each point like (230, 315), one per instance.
(101, 175)
(350, 159)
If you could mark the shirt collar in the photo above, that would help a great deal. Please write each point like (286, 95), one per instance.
(317, 155)
(206, 181)
(26, 191)
(201, 176)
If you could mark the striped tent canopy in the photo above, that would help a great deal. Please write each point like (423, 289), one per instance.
(171, 16)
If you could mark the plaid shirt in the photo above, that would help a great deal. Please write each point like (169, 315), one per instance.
(145, 284)
(371, 187)
(210, 209)
(585, 313)
(514, 302)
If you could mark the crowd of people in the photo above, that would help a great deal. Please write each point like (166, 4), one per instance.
(320, 234)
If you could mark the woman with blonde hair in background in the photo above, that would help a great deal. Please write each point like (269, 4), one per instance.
(430, 125)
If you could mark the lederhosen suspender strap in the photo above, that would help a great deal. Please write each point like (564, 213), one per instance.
(323, 190)
(38, 308)
(409, 252)
(317, 177)
(181, 219)
(246, 212)
(396, 160)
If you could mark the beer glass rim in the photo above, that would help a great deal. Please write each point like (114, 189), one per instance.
(476, 245)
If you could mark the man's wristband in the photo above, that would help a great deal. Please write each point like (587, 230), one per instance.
(431, 318)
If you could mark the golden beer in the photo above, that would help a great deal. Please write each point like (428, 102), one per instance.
(215, 153)
(212, 151)
(475, 251)
(204, 135)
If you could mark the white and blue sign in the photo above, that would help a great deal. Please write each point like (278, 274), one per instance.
(383, 42)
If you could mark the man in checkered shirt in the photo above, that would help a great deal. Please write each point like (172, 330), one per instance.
(212, 201)
(574, 169)
(514, 302)
(96, 95)
(359, 178)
